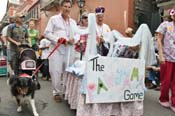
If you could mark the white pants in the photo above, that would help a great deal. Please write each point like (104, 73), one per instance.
(56, 68)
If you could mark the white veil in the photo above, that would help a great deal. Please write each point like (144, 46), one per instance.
(78, 67)
(142, 37)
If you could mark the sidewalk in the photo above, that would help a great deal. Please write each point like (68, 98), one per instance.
(152, 107)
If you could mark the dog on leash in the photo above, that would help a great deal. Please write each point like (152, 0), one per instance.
(23, 86)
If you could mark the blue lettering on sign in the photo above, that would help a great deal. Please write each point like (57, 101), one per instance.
(121, 74)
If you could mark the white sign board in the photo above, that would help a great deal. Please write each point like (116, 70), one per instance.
(114, 80)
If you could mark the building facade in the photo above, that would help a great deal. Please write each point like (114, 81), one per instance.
(119, 14)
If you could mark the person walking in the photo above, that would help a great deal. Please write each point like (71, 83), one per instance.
(44, 46)
(80, 45)
(59, 28)
(16, 33)
(4, 37)
(166, 47)
(33, 35)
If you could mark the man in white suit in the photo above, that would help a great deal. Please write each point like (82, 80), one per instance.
(60, 26)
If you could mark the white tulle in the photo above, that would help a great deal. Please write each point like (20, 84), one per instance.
(142, 37)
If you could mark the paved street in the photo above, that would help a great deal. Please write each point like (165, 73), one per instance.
(47, 107)
(152, 107)
(44, 103)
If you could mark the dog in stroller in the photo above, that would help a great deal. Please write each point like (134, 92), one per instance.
(25, 83)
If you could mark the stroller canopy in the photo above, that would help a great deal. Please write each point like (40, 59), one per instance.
(26, 54)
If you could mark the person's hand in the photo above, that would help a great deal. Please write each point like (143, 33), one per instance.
(78, 43)
(102, 40)
(71, 41)
(82, 41)
(161, 59)
(18, 43)
(98, 40)
(155, 68)
(63, 40)
(149, 67)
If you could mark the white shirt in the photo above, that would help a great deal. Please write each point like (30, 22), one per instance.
(103, 31)
(57, 28)
(4, 31)
(45, 52)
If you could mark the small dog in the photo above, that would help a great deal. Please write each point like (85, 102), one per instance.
(23, 87)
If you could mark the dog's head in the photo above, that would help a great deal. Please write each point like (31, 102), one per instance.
(21, 85)
(24, 85)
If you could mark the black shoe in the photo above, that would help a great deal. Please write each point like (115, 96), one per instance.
(152, 86)
(157, 88)
(38, 86)
(57, 98)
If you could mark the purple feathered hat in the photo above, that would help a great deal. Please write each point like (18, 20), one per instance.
(99, 10)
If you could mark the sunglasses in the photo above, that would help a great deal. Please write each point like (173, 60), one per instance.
(84, 17)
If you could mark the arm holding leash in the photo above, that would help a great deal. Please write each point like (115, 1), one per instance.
(60, 41)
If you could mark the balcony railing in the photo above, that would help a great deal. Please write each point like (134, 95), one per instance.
(34, 13)
(48, 4)
(166, 4)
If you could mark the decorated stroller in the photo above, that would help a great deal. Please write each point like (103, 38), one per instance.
(27, 59)
(27, 62)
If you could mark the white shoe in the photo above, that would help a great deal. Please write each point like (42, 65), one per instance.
(164, 104)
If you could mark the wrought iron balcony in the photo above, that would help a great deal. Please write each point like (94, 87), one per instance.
(48, 4)
(166, 3)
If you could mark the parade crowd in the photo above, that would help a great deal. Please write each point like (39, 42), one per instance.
(62, 29)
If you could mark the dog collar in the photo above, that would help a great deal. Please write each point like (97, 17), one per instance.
(25, 75)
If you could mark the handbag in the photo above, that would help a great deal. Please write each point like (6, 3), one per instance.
(102, 49)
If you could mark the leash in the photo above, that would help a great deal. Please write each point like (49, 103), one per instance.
(62, 41)
(81, 51)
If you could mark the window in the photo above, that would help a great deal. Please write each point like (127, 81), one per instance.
(33, 13)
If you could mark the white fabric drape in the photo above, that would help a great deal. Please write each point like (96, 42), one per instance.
(142, 37)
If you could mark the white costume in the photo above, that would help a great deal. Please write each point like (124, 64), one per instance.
(45, 52)
(57, 28)
(103, 31)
